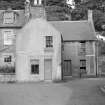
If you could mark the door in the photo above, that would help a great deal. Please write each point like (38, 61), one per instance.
(48, 69)
(67, 70)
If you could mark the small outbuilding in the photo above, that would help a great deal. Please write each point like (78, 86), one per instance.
(38, 52)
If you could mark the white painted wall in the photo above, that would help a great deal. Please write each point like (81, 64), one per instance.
(31, 43)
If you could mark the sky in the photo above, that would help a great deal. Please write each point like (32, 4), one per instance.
(71, 3)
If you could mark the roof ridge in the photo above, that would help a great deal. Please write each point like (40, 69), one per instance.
(70, 21)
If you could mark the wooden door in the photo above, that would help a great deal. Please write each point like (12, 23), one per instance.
(67, 69)
(48, 69)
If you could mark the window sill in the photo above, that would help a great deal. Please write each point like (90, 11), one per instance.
(34, 74)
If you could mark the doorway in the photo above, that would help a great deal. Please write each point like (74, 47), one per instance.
(67, 68)
(48, 69)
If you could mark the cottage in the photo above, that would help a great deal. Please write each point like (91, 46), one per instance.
(38, 52)
(79, 54)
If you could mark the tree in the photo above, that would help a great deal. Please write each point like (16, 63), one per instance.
(14, 4)
(57, 10)
(98, 7)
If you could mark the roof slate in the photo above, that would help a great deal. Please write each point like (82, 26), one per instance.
(75, 30)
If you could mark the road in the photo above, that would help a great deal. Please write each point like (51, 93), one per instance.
(86, 92)
(73, 92)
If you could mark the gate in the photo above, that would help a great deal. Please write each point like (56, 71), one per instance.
(67, 68)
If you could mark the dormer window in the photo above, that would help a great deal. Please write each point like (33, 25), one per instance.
(37, 2)
(8, 18)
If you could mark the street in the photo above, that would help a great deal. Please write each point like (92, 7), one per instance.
(73, 92)
(86, 92)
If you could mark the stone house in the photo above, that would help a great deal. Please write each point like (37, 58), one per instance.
(11, 21)
(79, 54)
(23, 53)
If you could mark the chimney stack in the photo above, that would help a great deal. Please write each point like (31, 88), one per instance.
(90, 18)
(90, 15)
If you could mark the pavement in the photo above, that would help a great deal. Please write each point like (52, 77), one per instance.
(73, 92)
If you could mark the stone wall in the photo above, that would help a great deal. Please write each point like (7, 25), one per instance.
(72, 51)
(101, 65)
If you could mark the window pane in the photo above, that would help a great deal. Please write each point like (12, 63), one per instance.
(82, 50)
(8, 17)
(83, 65)
(8, 37)
(49, 41)
(8, 58)
(34, 68)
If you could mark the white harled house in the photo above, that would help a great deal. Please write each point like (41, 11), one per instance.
(38, 52)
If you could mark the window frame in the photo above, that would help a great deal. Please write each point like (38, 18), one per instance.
(49, 41)
(8, 36)
(82, 48)
(7, 57)
(83, 64)
(34, 64)
(35, 69)
(8, 20)
(8, 68)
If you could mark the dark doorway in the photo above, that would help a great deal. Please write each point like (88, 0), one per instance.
(67, 68)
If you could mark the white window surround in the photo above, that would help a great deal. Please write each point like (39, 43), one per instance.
(8, 35)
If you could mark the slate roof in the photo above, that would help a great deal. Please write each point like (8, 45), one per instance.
(75, 30)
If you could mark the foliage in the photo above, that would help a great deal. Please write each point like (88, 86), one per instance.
(57, 10)
(98, 7)
(14, 4)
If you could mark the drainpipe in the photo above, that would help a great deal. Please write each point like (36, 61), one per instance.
(97, 56)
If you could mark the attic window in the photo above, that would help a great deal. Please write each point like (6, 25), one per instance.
(8, 18)
(8, 57)
(49, 41)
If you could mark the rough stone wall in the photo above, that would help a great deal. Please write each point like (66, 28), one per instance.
(72, 52)
(101, 65)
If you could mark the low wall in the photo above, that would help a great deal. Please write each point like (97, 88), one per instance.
(101, 65)
(7, 78)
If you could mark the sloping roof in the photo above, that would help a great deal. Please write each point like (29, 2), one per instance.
(30, 37)
(75, 30)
